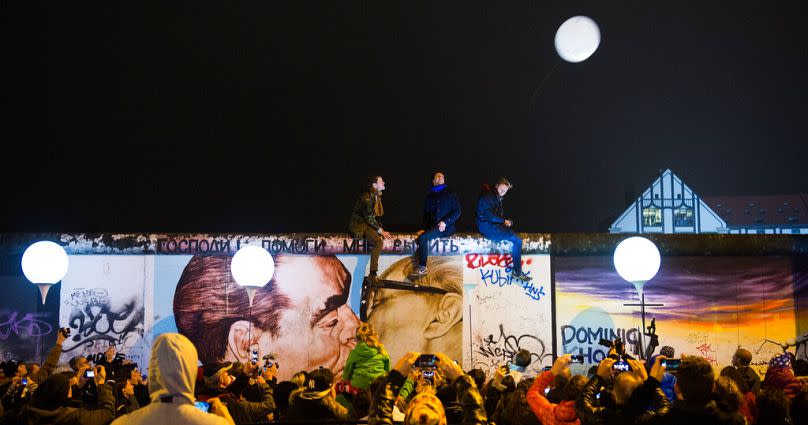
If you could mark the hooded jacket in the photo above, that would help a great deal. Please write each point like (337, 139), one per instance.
(365, 364)
(173, 368)
(48, 406)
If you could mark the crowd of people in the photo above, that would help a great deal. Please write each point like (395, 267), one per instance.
(418, 389)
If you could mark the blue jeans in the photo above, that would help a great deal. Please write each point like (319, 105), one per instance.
(428, 235)
(499, 232)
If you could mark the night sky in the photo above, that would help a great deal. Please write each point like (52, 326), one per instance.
(267, 118)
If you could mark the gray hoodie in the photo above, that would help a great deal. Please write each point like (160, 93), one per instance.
(173, 369)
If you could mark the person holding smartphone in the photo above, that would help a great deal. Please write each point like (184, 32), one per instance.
(563, 412)
(50, 402)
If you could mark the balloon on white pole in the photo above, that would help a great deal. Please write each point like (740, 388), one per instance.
(637, 260)
(252, 267)
(44, 264)
(577, 39)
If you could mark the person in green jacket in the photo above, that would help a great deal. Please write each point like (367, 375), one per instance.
(368, 360)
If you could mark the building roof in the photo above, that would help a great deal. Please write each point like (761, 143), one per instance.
(777, 210)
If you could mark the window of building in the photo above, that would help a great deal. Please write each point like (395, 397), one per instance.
(652, 217)
(683, 217)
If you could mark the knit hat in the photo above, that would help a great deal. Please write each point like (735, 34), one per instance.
(781, 360)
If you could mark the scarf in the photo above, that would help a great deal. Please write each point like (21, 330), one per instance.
(378, 209)
(438, 188)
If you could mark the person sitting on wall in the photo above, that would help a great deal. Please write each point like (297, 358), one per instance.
(441, 211)
(491, 222)
(364, 222)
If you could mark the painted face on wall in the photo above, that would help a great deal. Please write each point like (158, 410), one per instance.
(318, 328)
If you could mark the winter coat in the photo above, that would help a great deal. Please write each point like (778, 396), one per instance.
(634, 411)
(363, 215)
(490, 212)
(173, 368)
(751, 377)
(365, 364)
(550, 413)
(304, 406)
(442, 205)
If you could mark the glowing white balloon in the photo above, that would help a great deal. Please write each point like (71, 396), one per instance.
(252, 266)
(636, 259)
(44, 263)
(577, 39)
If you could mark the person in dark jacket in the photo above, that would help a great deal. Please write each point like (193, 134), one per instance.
(741, 360)
(694, 403)
(49, 403)
(365, 222)
(491, 222)
(632, 394)
(441, 211)
(317, 401)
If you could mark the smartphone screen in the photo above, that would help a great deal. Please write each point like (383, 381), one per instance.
(426, 360)
(89, 374)
(672, 364)
(623, 366)
(203, 406)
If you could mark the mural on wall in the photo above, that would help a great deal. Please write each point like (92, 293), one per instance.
(103, 300)
(710, 307)
(27, 328)
(504, 315)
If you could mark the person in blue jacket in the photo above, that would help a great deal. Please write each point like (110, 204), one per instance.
(441, 211)
(491, 222)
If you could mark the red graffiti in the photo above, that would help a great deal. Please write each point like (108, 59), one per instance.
(705, 350)
(475, 261)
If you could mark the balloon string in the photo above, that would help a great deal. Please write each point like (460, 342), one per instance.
(541, 84)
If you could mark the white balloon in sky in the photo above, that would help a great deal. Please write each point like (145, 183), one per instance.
(577, 39)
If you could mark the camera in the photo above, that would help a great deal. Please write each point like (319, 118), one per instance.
(65, 332)
(89, 373)
(254, 358)
(203, 406)
(619, 348)
(577, 359)
(429, 375)
(25, 382)
(268, 361)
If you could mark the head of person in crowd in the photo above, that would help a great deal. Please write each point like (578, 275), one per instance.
(574, 388)
(78, 362)
(366, 333)
(300, 378)
(33, 368)
(301, 314)
(417, 320)
(624, 385)
(425, 408)
(773, 406)
(54, 392)
(218, 375)
(22, 370)
(173, 368)
(479, 377)
(800, 367)
(320, 383)
(732, 373)
(522, 358)
(742, 357)
(728, 396)
(695, 380)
